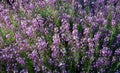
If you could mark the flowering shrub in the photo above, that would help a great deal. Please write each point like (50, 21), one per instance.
(60, 36)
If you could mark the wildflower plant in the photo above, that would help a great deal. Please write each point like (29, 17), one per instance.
(60, 36)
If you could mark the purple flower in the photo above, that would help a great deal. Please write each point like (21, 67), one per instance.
(20, 60)
(105, 22)
(117, 52)
(55, 52)
(8, 36)
(86, 31)
(1, 7)
(99, 62)
(56, 39)
(81, 37)
(56, 30)
(90, 19)
(113, 1)
(97, 36)
(106, 41)
(33, 55)
(37, 68)
(75, 34)
(65, 25)
(113, 22)
(18, 36)
(7, 20)
(24, 71)
(35, 23)
(91, 45)
(41, 44)
(105, 52)
(100, 1)
(30, 31)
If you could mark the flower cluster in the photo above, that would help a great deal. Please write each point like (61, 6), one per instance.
(60, 36)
